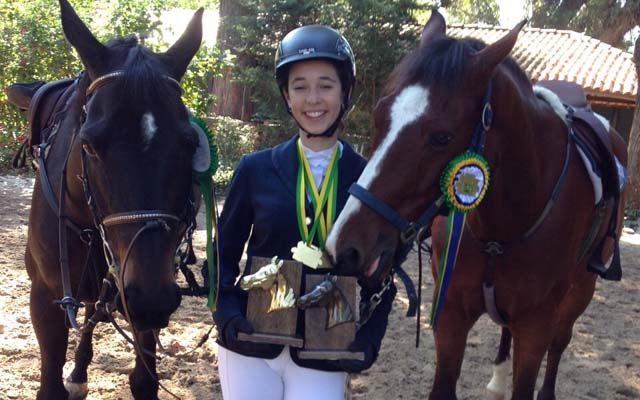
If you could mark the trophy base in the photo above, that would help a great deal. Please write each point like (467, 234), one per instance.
(330, 355)
(292, 341)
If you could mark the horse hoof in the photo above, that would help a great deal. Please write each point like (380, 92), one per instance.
(491, 395)
(77, 391)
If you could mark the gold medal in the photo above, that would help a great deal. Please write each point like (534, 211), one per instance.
(310, 255)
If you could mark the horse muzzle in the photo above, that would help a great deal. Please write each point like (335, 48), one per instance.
(149, 309)
(370, 272)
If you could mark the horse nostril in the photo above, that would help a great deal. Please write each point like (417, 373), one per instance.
(349, 261)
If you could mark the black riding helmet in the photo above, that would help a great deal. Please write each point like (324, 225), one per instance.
(317, 42)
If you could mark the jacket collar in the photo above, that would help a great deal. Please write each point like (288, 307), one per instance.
(285, 160)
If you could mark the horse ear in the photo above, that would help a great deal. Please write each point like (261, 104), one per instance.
(487, 59)
(91, 51)
(180, 54)
(435, 28)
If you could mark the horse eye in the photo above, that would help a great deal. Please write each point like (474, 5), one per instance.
(440, 138)
(89, 150)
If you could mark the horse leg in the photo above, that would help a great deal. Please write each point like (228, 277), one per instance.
(53, 335)
(497, 387)
(574, 304)
(560, 342)
(144, 379)
(76, 383)
(450, 340)
(531, 340)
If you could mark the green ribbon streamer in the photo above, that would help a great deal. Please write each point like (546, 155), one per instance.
(204, 180)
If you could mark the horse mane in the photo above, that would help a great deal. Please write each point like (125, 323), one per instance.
(444, 62)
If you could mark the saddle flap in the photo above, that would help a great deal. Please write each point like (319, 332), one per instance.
(49, 100)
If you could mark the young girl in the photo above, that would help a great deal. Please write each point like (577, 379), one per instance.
(315, 71)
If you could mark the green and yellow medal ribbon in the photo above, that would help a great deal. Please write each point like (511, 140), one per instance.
(324, 202)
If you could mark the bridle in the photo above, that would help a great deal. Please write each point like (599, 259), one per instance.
(151, 219)
(418, 230)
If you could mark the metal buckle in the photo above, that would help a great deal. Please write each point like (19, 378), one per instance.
(410, 233)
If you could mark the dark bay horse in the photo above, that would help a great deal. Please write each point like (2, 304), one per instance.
(111, 203)
(531, 236)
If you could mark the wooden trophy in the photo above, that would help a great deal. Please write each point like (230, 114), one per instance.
(274, 286)
(330, 305)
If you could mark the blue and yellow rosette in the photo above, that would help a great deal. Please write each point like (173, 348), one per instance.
(205, 164)
(464, 184)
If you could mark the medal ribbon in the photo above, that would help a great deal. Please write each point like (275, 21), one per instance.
(326, 198)
(464, 184)
(455, 227)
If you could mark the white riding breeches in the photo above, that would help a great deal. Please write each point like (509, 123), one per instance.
(250, 378)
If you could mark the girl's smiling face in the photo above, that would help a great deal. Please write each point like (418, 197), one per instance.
(314, 94)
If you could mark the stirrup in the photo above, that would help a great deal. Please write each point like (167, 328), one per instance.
(614, 272)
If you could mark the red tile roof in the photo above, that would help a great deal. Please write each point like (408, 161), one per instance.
(607, 74)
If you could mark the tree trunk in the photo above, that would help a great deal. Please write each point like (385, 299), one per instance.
(633, 189)
(232, 98)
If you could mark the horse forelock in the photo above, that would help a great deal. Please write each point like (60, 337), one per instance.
(145, 80)
(142, 99)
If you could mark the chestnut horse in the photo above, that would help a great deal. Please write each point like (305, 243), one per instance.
(111, 203)
(531, 236)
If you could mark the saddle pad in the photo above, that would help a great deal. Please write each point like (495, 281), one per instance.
(606, 176)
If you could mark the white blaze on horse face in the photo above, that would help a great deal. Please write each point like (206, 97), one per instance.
(149, 129)
(407, 107)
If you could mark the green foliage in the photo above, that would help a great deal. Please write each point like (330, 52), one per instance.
(379, 32)
(34, 48)
(208, 63)
(474, 12)
(606, 20)
(233, 138)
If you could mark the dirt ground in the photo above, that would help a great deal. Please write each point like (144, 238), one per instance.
(602, 362)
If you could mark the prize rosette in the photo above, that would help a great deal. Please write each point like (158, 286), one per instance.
(205, 164)
(465, 181)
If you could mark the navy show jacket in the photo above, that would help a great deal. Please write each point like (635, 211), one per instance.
(260, 208)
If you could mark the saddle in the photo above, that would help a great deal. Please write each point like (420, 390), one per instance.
(20, 94)
(595, 145)
(46, 104)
